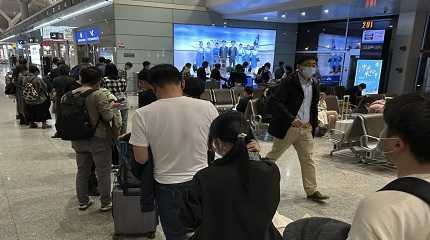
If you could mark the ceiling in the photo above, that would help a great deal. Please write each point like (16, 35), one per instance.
(295, 11)
(11, 10)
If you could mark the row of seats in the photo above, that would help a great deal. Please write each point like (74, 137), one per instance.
(361, 137)
(223, 99)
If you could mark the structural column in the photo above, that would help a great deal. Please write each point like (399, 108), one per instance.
(406, 44)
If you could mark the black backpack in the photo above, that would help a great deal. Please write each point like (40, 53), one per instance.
(73, 121)
(411, 185)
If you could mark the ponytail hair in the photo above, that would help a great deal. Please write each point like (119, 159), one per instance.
(231, 127)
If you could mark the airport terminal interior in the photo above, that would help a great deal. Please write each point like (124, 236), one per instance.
(314, 81)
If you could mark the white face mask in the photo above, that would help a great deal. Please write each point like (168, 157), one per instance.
(308, 72)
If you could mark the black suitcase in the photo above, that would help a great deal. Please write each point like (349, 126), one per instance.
(128, 216)
(129, 220)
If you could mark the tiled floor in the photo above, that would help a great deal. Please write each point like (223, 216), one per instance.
(37, 185)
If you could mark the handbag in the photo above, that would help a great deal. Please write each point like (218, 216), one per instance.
(10, 89)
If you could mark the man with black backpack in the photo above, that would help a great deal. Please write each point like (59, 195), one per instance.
(401, 210)
(86, 113)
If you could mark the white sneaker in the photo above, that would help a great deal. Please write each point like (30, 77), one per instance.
(106, 208)
(85, 206)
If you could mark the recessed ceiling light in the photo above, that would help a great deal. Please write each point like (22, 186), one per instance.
(303, 13)
(225, 23)
(326, 11)
(266, 18)
(283, 16)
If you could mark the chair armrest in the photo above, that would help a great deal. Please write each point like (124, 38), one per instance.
(364, 140)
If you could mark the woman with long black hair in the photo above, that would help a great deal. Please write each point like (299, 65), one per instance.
(235, 197)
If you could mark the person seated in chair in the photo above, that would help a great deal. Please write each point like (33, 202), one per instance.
(226, 199)
(243, 102)
(401, 210)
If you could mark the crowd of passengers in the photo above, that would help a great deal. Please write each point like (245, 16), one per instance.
(206, 181)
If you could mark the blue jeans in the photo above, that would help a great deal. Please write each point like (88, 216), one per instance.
(167, 196)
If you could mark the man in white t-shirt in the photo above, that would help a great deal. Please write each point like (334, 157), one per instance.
(177, 128)
(397, 215)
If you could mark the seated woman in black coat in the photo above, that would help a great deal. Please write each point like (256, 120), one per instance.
(234, 198)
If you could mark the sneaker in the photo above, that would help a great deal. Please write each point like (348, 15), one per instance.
(106, 207)
(318, 197)
(85, 206)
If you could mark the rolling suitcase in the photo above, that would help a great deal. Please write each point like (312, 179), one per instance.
(128, 216)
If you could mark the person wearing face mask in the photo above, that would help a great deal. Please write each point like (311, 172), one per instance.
(401, 210)
(294, 105)
(235, 197)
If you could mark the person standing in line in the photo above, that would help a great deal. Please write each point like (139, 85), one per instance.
(177, 154)
(146, 95)
(101, 65)
(60, 84)
(98, 149)
(295, 119)
(75, 71)
(36, 110)
(17, 77)
(124, 72)
(118, 87)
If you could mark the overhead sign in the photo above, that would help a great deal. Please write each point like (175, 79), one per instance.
(86, 36)
(373, 36)
(56, 35)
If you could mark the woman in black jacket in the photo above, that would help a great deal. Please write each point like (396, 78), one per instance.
(235, 198)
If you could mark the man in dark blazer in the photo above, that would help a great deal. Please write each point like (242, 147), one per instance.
(294, 121)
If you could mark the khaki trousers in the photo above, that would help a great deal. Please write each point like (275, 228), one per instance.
(302, 140)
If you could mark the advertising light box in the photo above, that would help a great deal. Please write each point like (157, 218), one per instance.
(369, 72)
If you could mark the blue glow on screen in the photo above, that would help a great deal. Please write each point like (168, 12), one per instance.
(369, 72)
(198, 43)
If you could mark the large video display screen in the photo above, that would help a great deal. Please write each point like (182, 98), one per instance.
(225, 45)
(334, 55)
(369, 72)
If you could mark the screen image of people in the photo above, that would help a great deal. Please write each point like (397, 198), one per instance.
(226, 46)
(332, 56)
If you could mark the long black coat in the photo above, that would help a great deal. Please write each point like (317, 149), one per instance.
(285, 103)
(218, 207)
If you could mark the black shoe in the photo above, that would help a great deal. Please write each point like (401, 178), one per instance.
(33, 125)
(56, 135)
(318, 197)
